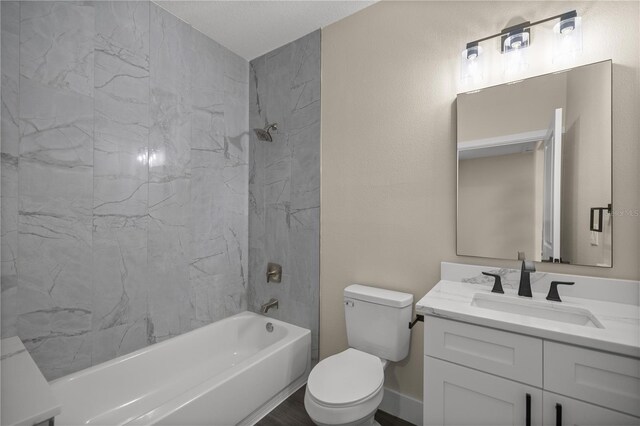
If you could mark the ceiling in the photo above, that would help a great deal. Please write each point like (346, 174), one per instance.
(253, 28)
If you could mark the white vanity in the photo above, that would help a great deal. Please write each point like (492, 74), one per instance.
(501, 359)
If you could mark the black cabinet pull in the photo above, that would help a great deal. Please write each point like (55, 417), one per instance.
(527, 421)
(558, 414)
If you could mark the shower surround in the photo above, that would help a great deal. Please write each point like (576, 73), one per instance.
(124, 179)
(284, 182)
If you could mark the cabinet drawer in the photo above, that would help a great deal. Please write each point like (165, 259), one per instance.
(504, 354)
(605, 379)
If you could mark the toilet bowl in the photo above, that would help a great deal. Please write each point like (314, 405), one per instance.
(347, 388)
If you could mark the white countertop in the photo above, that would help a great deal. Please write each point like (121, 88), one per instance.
(26, 396)
(621, 332)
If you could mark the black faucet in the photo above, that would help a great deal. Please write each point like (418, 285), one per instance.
(525, 279)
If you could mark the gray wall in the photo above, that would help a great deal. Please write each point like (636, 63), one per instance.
(102, 251)
(284, 182)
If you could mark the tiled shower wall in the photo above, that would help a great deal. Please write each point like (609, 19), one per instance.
(284, 182)
(124, 179)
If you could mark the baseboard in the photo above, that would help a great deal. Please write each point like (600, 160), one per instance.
(402, 406)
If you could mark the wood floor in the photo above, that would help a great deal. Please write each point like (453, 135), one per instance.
(292, 412)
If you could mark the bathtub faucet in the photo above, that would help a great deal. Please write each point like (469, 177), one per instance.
(273, 303)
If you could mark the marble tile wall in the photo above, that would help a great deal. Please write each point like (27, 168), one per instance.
(9, 135)
(284, 182)
(55, 184)
(120, 214)
(124, 179)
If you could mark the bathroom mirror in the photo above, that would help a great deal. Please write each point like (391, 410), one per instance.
(534, 168)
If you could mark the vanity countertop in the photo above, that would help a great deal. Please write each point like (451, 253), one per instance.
(621, 322)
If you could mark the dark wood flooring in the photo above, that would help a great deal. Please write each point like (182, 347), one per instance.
(292, 412)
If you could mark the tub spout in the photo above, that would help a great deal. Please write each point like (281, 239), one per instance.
(273, 303)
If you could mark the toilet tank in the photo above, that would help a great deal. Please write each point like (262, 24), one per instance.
(378, 321)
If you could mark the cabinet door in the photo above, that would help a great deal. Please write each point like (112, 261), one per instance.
(592, 376)
(577, 413)
(457, 396)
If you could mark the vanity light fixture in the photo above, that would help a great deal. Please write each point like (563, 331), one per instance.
(516, 39)
(567, 37)
(513, 43)
(471, 63)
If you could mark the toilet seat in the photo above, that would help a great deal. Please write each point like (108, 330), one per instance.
(346, 379)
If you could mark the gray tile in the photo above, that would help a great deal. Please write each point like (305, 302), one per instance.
(59, 340)
(284, 181)
(10, 75)
(120, 266)
(171, 308)
(54, 245)
(9, 138)
(55, 175)
(118, 340)
(120, 175)
(55, 170)
(122, 30)
(57, 44)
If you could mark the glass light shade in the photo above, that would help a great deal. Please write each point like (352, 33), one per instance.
(567, 39)
(516, 62)
(471, 65)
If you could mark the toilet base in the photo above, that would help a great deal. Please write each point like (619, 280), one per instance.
(367, 421)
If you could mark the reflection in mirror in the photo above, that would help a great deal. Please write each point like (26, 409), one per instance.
(534, 168)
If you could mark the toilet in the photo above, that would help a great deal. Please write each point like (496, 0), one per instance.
(347, 388)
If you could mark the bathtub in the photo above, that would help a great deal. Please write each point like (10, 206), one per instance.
(230, 372)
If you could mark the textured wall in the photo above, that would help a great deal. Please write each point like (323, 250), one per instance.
(124, 179)
(390, 75)
(284, 182)
(497, 206)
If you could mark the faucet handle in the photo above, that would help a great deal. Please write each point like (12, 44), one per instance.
(553, 290)
(274, 272)
(497, 283)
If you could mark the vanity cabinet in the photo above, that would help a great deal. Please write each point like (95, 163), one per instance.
(475, 375)
(456, 395)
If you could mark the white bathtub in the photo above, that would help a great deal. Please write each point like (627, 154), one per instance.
(230, 372)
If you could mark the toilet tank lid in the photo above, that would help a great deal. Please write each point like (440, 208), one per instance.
(380, 296)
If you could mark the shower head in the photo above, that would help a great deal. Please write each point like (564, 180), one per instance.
(264, 134)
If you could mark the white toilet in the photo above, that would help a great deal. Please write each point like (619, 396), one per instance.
(347, 388)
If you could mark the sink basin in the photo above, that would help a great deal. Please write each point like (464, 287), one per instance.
(552, 311)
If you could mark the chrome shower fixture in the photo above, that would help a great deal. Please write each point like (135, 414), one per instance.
(265, 134)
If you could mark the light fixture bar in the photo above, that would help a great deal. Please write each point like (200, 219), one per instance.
(570, 14)
(514, 44)
(524, 26)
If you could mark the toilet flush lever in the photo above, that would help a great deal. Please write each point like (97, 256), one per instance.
(418, 318)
